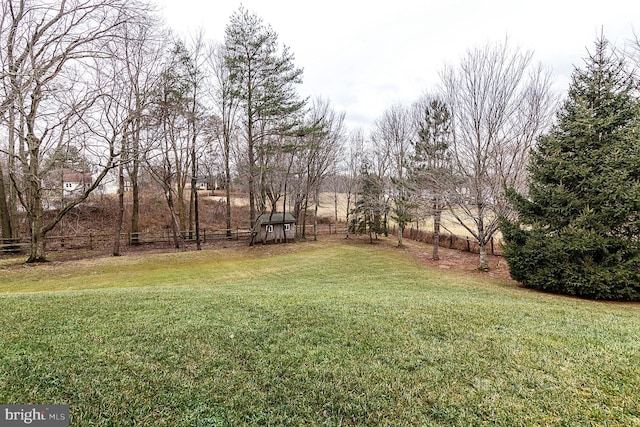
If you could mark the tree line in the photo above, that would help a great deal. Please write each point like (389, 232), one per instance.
(496, 149)
(102, 87)
(457, 147)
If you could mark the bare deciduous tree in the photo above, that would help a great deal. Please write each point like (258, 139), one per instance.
(226, 109)
(169, 163)
(136, 68)
(500, 103)
(58, 95)
(392, 141)
(317, 157)
(196, 118)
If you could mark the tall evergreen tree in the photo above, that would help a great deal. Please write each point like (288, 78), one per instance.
(433, 169)
(578, 228)
(263, 79)
(370, 208)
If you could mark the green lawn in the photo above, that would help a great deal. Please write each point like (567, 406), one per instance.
(323, 333)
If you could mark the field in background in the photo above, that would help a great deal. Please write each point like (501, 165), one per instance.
(320, 333)
(448, 223)
(327, 209)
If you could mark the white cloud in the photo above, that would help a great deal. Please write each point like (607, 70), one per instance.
(365, 56)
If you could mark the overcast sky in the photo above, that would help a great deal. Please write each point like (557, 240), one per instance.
(365, 56)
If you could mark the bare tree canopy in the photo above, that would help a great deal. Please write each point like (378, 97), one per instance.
(393, 153)
(58, 94)
(500, 102)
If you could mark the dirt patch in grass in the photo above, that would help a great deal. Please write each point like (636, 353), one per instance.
(450, 259)
(466, 262)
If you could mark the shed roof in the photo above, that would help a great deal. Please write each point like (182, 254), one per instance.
(276, 218)
(77, 177)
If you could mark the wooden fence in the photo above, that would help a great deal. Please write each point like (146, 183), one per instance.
(451, 241)
(96, 241)
(100, 241)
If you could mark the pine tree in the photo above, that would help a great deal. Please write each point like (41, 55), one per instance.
(370, 209)
(433, 172)
(578, 228)
(263, 80)
(404, 207)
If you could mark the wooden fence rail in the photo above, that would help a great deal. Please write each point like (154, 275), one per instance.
(96, 241)
(104, 241)
(451, 241)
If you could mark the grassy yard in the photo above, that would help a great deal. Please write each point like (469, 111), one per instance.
(323, 333)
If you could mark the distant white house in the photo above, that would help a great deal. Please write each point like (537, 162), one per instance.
(205, 183)
(75, 183)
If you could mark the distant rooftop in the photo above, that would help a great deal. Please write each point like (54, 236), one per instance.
(276, 218)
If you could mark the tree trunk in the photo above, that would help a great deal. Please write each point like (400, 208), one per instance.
(37, 249)
(284, 201)
(437, 214)
(135, 205)
(252, 195)
(348, 215)
(175, 226)
(119, 218)
(227, 183)
(252, 160)
(335, 209)
(194, 192)
(484, 263)
(482, 240)
(304, 218)
(37, 246)
(5, 214)
(197, 220)
(385, 225)
(315, 215)
(192, 208)
(135, 188)
(35, 210)
(179, 201)
(6, 211)
(297, 209)
(11, 163)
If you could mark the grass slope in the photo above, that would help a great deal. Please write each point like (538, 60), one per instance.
(323, 333)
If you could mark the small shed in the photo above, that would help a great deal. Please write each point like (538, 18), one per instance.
(275, 228)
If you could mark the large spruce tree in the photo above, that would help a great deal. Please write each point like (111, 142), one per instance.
(578, 228)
